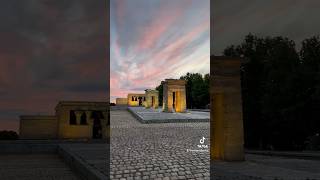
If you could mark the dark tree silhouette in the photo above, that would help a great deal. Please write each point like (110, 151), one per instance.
(280, 89)
(8, 135)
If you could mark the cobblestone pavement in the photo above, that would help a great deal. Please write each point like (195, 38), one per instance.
(267, 168)
(157, 151)
(34, 166)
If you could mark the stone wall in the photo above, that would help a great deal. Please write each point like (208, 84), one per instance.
(134, 101)
(227, 139)
(38, 127)
(121, 101)
(76, 131)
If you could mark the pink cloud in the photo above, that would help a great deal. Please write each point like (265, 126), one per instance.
(158, 66)
(164, 19)
(144, 66)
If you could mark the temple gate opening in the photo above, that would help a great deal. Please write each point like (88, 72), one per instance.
(97, 126)
(152, 98)
(174, 95)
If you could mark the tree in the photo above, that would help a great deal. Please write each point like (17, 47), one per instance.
(160, 89)
(197, 90)
(8, 135)
(279, 89)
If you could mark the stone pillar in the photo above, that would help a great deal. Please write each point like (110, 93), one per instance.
(169, 101)
(89, 120)
(183, 100)
(78, 116)
(156, 101)
(105, 126)
(226, 109)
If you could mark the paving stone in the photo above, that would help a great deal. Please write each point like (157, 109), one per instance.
(34, 166)
(157, 150)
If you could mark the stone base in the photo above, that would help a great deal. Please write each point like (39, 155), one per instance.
(157, 116)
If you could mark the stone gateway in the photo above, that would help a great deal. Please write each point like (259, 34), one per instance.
(174, 95)
(152, 98)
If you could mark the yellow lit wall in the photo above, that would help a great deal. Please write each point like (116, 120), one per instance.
(135, 96)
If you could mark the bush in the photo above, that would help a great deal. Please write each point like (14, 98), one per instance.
(313, 142)
(8, 135)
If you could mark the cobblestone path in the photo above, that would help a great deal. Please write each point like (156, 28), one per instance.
(157, 151)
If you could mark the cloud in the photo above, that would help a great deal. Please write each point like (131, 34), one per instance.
(154, 41)
(51, 51)
(234, 19)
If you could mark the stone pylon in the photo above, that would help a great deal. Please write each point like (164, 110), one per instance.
(174, 95)
(227, 141)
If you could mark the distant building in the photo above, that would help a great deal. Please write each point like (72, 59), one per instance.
(152, 98)
(174, 97)
(72, 120)
(121, 101)
(136, 99)
(148, 100)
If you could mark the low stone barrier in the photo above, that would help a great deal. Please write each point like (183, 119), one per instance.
(79, 165)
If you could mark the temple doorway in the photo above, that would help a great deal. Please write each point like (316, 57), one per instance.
(152, 101)
(140, 101)
(174, 101)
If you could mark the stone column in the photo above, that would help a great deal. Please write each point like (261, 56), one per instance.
(148, 100)
(169, 101)
(156, 101)
(105, 127)
(78, 116)
(183, 100)
(226, 109)
(89, 120)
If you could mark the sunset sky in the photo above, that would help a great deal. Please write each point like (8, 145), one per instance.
(56, 49)
(50, 51)
(156, 39)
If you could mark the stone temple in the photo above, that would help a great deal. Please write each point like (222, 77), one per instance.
(136, 99)
(174, 97)
(72, 120)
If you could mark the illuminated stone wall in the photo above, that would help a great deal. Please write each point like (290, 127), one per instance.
(77, 130)
(152, 98)
(133, 99)
(38, 127)
(227, 139)
(174, 95)
(121, 101)
(63, 126)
